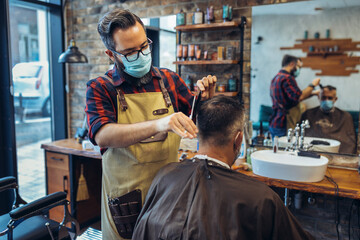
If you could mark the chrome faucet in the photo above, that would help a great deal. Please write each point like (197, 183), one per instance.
(297, 136)
(299, 143)
(305, 147)
(304, 124)
(289, 137)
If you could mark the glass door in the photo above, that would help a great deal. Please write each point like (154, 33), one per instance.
(31, 90)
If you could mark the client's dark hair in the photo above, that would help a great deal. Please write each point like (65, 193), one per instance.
(287, 59)
(331, 88)
(117, 18)
(219, 118)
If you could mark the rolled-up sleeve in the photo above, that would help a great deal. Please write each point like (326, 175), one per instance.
(100, 107)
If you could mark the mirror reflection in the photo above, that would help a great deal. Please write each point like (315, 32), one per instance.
(323, 35)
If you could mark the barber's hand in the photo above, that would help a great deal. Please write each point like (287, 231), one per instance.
(207, 86)
(316, 82)
(179, 123)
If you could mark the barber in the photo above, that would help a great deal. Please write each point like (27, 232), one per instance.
(136, 112)
(286, 96)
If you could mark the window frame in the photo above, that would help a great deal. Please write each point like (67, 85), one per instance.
(8, 159)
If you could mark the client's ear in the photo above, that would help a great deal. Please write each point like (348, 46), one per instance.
(238, 138)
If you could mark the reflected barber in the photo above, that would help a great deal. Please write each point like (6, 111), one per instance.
(286, 96)
(136, 114)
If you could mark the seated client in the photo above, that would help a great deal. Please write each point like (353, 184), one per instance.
(202, 198)
(328, 121)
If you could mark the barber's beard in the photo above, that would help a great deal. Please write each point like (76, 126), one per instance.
(138, 82)
(292, 72)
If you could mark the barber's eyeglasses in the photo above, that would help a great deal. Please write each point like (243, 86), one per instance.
(134, 55)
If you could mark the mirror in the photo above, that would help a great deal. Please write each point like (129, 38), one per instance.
(284, 25)
(161, 31)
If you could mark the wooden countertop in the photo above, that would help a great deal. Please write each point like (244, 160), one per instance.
(347, 180)
(70, 146)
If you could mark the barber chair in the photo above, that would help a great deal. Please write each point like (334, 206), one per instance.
(28, 221)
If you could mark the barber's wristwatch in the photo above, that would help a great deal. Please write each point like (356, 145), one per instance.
(311, 85)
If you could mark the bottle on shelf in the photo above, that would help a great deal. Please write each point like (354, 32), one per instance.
(185, 52)
(210, 14)
(230, 53)
(179, 51)
(267, 140)
(225, 14)
(197, 52)
(220, 53)
(230, 13)
(189, 18)
(232, 84)
(188, 82)
(327, 33)
(198, 17)
(180, 18)
(191, 53)
(221, 87)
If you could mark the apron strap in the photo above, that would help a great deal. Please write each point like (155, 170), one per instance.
(120, 95)
(165, 93)
(122, 100)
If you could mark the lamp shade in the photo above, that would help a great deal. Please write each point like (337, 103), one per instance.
(72, 55)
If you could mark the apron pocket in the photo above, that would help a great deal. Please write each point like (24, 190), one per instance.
(151, 152)
(159, 137)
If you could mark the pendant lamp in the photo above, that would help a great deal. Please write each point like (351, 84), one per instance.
(72, 54)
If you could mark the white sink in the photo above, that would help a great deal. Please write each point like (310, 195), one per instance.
(288, 166)
(333, 147)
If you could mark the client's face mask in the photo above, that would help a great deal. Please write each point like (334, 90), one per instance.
(139, 67)
(326, 105)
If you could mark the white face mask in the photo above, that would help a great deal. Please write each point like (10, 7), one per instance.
(297, 72)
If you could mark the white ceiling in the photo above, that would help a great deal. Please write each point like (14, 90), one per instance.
(304, 7)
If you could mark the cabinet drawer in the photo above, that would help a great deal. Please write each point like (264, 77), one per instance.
(58, 180)
(57, 160)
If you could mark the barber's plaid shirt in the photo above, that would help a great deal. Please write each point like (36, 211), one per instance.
(101, 102)
(285, 94)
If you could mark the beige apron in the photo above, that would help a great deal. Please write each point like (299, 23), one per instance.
(134, 167)
(293, 115)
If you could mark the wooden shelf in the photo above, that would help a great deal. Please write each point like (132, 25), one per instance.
(202, 62)
(210, 26)
(324, 54)
(334, 63)
(230, 94)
